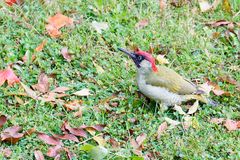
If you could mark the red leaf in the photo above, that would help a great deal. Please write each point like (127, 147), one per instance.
(161, 129)
(11, 134)
(6, 152)
(9, 76)
(66, 55)
(70, 137)
(76, 131)
(38, 155)
(54, 151)
(40, 47)
(231, 125)
(49, 139)
(43, 84)
(11, 2)
(3, 120)
(56, 22)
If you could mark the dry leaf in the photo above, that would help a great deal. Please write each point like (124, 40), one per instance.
(100, 140)
(141, 24)
(217, 120)
(6, 152)
(66, 55)
(83, 92)
(40, 47)
(206, 88)
(30, 92)
(162, 128)
(226, 6)
(9, 76)
(99, 26)
(3, 120)
(43, 84)
(38, 155)
(49, 139)
(76, 131)
(172, 122)
(161, 59)
(193, 108)
(12, 134)
(228, 79)
(218, 23)
(56, 22)
(60, 89)
(70, 137)
(140, 139)
(162, 4)
(73, 105)
(179, 109)
(114, 143)
(54, 151)
(69, 154)
(231, 125)
(204, 5)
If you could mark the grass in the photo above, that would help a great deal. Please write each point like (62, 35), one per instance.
(179, 32)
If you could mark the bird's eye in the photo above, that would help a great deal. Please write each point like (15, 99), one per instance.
(140, 58)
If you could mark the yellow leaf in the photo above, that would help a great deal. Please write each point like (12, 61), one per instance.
(226, 6)
(99, 140)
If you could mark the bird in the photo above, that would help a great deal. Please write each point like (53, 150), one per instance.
(163, 84)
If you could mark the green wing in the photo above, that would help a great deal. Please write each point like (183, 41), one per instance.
(168, 78)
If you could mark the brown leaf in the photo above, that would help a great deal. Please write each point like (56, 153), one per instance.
(29, 132)
(60, 89)
(56, 22)
(216, 89)
(11, 134)
(49, 139)
(140, 139)
(3, 120)
(100, 140)
(40, 47)
(66, 55)
(231, 125)
(30, 92)
(141, 24)
(114, 143)
(9, 76)
(6, 152)
(228, 79)
(73, 105)
(70, 137)
(38, 155)
(76, 131)
(162, 128)
(43, 84)
(54, 151)
(217, 120)
(218, 23)
(70, 155)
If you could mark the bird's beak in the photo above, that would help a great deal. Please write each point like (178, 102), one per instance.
(131, 54)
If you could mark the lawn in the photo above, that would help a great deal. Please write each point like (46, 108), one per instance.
(191, 47)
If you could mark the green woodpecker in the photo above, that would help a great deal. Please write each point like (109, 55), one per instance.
(163, 84)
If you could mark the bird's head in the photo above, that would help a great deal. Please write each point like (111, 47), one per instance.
(141, 59)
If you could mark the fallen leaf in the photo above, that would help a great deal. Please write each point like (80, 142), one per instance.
(228, 79)
(70, 155)
(30, 92)
(206, 88)
(11, 2)
(160, 58)
(60, 89)
(66, 55)
(70, 137)
(141, 24)
(3, 120)
(56, 22)
(179, 109)
(140, 139)
(76, 131)
(226, 6)
(83, 92)
(162, 4)
(26, 58)
(6, 152)
(193, 108)
(114, 143)
(218, 23)
(172, 122)
(217, 120)
(204, 5)
(162, 128)
(9, 76)
(12, 134)
(54, 151)
(29, 132)
(49, 139)
(38, 155)
(100, 140)
(43, 84)
(99, 69)
(99, 26)
(73, 105)
(231, 125)
(78, 113)
(40, 47)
